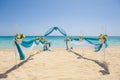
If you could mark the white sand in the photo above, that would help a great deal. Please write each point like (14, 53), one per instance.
(59, 64)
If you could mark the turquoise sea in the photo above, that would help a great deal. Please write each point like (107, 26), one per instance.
(7, 42)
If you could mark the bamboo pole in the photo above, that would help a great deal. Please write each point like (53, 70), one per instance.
(15, 56)
(103, 51)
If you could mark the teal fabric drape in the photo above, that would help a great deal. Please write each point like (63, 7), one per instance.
(98, 47)
(55, 28)
(67, 47)
(58, 29)
(42, 41)
(62, 31)
(96, 43)
(76, 39)
(27, 44)
(37, 43)
(93, 41)
(49, 31)
(21, 54)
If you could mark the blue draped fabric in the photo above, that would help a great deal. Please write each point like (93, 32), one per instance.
(62, 31)
(93, 41)
(67, 48)
(37, 43)
(45, 48)
(98, 47)
(55, 28)
(21, 54)
(76, 39)
(49, 31)
(27, 44)
(42, 41)
(96, 43)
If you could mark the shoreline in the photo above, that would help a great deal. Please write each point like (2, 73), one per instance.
(60, 48)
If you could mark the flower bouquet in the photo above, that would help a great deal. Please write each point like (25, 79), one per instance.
(19, 38)
(38, 39)
(68, 39)
(103, 38)
(80, 38)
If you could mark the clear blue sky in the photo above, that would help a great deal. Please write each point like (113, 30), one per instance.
(76, 17)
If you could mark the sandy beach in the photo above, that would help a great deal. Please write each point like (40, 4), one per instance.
(59, 64)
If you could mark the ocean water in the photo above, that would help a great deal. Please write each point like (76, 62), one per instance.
(7, 42)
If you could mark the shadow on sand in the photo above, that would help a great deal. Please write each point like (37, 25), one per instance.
(4, 75)
(103, 65)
